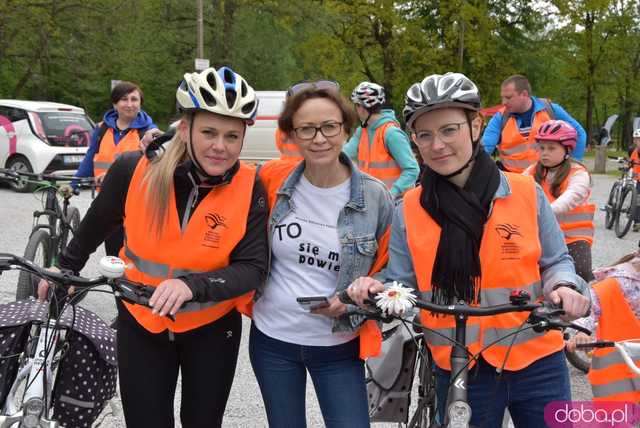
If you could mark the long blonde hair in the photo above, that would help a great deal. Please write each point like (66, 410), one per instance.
(159, 178)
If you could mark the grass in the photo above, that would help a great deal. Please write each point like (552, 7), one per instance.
(590, 153)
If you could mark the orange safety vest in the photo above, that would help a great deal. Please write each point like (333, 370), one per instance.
(213, 231)
(274, 174)
(509, 260)
(610, 377)
(518, 151)
(288, 150)
(109, 151)
(636, 164)
(374, 159)
(577, 224)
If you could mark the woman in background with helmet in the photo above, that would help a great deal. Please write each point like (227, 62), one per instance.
(473, 233)
(380, 147)
(567, 184)
(184, 237)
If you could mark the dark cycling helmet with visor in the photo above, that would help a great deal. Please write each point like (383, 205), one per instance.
(440, 91)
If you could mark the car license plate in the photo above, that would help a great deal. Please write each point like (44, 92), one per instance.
(73, 159)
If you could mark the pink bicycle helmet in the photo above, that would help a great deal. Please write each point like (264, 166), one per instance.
(560, 131)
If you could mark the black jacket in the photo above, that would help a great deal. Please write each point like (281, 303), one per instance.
(248, 261)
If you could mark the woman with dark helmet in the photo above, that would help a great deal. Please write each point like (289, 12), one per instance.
(472, 233)
(184, 237)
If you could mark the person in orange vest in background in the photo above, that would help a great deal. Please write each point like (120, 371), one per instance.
(567, 184)
(121, 129)
(635, 158)
(185, 238)
(615, 316)
(473, 233)
(288, 150)
(329, 224)
(379, 145)
(513, 129)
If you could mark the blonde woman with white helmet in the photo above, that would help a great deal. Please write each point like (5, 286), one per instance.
(184, 237)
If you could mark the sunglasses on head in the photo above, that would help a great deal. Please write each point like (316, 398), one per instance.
(318, 84)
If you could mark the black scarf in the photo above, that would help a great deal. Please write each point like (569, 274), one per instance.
(462, 214)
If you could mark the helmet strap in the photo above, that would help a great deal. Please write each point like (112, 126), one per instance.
(366, 121)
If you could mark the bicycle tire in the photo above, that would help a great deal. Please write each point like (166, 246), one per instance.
(626, 214)
(425, 414)
(578, 359)
(611, 209)
(28, 283)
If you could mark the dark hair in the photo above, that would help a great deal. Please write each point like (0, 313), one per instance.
(519, 81)
(293, 103)
(563, 172)
(125, 88)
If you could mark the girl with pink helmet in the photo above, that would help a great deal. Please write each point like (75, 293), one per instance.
(567, 184)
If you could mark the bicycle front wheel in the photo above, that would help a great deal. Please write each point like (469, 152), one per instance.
(425, 413)
(612, 206)
(38, 251)
(73, 219)
(627, 211)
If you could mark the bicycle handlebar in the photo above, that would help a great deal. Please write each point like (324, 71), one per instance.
(624, 347)
(129, 291)
(14, 175)
(544, 316)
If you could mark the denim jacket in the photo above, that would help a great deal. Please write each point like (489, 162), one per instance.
(361, 223)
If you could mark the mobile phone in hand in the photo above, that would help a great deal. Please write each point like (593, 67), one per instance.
(313, 302)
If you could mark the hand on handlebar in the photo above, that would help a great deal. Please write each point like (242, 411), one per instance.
(574, 304)
(169, 296)
(579, 338)
(43, 285)
(361, 288)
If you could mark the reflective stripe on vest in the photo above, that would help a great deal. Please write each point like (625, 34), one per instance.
(610, 378)
(288, 151)
(108, 151)
(509, 261)
(203, 245)
(518, 151)
(374, 158)
(577, 224)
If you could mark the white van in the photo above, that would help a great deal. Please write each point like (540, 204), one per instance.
(260, 141)
(42, 137)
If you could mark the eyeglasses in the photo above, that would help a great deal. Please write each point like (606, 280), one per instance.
(447, 134)
(318, 84)
(309, 132)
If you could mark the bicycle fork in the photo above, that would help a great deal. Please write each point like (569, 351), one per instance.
(458, 412)
(40, 376)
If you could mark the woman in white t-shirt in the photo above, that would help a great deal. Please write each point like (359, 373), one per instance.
(329, 224)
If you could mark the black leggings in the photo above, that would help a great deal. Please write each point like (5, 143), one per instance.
(580, 251)
(148, 371)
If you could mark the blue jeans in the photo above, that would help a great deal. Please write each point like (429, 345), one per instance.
(525, 392)
(337, 373)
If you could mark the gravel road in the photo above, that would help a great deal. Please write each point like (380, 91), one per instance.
(245, 406)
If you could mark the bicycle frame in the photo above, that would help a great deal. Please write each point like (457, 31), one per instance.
(38, 374)
(57, 221)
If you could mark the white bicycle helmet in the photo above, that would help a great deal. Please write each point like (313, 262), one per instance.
(636, 133)
(440, 91)
(224, 92)
(368, 95)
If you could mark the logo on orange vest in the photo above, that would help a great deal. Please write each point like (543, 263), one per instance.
(510, 250)
(211, 237)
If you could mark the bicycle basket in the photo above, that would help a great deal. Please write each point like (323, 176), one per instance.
(391, 377)
(87, 375)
